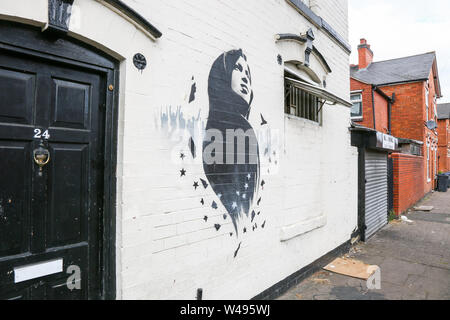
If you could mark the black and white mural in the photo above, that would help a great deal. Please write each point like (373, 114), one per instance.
(234, 177)
(224, 148)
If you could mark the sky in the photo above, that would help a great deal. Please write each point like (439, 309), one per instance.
(400, 28)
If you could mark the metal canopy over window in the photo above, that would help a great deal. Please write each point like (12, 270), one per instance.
(321, 93)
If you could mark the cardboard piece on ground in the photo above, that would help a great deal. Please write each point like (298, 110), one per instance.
(351, 268)
(424, 208)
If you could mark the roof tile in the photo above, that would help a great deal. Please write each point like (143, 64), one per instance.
(406, 69)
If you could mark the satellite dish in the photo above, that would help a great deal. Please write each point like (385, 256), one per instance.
(431, 125)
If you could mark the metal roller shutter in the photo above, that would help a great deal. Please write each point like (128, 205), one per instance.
(376, 192)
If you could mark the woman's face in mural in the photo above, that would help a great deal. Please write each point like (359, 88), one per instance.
(241, 80)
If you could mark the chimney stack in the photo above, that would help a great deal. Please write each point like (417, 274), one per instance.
(365, 54)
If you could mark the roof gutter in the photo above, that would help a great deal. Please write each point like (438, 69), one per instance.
(133, 16)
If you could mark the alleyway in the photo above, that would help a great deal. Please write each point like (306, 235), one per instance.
(414, 259)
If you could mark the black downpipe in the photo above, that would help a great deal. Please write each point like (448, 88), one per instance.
(389, 117)
(362, 193)
(373, 107)
(391, 102)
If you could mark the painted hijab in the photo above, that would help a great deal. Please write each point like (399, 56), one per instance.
(230, 98)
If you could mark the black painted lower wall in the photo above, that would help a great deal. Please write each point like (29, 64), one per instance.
(283, 286)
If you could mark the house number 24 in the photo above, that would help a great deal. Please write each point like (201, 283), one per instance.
(39, 135)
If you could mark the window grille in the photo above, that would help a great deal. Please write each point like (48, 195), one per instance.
(301, 103)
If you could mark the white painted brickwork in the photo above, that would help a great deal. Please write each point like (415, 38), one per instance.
(332, 12)
(165, 250)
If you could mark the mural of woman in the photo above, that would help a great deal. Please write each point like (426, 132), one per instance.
(230, 98)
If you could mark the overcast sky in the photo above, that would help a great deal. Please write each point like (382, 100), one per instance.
(399, 28)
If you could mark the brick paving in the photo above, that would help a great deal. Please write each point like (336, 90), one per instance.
(414, 259)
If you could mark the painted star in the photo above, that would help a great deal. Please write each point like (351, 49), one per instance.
(246, 186)
(183, 172)
(182, 156)
(196, 185)
(249, 176)
(234, 205)
(204, 183)
(238, 193)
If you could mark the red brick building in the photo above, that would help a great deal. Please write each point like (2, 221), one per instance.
(444, 137)
(399, 97)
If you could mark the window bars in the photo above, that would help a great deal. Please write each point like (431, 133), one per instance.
(301, 103)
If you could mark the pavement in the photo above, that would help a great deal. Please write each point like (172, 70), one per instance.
(414, 259)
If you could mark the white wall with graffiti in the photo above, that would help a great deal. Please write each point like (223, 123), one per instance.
(184, 223)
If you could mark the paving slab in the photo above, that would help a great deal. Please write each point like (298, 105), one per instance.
(414, 259)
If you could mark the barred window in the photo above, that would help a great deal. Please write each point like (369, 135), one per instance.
(300, 103)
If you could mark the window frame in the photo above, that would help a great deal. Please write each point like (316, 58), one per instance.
(354, 93)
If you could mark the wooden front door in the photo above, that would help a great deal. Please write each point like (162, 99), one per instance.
(52, 162)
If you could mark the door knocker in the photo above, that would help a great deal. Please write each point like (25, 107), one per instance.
(41, 157)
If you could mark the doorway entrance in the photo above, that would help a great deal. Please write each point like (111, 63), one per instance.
(57, 167)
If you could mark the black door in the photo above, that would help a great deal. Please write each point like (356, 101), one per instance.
(51, 178)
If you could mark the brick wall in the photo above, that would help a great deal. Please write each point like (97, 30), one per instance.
(381, 107)
(332, 11)
(408, 171)
(408, 119)
(381, 113)
(408, 113)
(367, 120)
(444, 145)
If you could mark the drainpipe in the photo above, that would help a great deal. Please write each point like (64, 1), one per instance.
(373, 107)
(390, 103)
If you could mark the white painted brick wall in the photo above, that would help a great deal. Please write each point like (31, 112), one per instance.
(335, 12)
(165, 249)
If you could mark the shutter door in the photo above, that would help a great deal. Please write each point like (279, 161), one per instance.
(376, 192)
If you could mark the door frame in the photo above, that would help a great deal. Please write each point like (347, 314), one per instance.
(25, 39)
